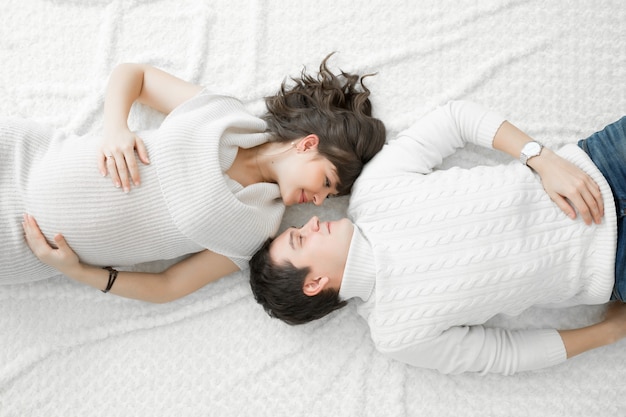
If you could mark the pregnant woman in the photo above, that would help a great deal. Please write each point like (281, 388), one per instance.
(215, 184)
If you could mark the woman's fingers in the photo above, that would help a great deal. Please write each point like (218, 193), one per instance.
(119, 160)
(34, 238)
(111, 165)
(59, 255)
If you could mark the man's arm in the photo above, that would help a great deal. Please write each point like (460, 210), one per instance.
(497, 350)
(608, 331)
(561, 179)
(432, 138)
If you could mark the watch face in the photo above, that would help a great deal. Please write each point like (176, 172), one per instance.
(529, 150)
(532, 148)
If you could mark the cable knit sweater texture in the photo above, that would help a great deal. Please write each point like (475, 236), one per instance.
(435, 256)
(185, 202)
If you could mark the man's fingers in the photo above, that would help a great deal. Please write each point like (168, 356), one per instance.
(564, 205)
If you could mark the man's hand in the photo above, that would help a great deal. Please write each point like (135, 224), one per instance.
(564, 181)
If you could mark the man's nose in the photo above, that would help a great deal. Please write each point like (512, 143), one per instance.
(314, 224)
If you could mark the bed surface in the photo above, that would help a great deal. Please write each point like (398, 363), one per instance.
(555, 69)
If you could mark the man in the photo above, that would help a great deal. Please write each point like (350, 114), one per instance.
(432, 255)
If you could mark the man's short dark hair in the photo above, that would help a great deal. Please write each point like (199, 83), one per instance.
(279, 289)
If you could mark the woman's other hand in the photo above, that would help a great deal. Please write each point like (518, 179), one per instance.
(62, 257)
(118, 159)
(130, 83)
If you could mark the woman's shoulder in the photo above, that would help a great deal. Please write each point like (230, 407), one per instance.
(200, 100)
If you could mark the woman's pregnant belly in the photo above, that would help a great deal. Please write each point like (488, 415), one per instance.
(103, 224)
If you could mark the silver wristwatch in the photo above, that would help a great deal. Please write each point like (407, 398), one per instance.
(530, 150)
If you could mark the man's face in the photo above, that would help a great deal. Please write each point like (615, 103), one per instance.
(321, 246)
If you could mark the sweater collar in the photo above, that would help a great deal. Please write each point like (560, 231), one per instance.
(359, 276)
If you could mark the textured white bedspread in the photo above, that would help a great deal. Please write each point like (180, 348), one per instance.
(555, 69)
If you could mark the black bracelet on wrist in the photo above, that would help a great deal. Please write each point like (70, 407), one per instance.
(112, 278)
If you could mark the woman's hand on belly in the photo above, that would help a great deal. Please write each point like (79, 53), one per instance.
(62, 258)
(177, 281)
(118, 159)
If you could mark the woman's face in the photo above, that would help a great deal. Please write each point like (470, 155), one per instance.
(307, 178)
(321, 246)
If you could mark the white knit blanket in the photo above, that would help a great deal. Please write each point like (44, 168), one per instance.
(555, 69)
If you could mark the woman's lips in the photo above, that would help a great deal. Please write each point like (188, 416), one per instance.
(303, 197)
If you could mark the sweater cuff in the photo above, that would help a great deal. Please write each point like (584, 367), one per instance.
(544, 348)
(488, 128)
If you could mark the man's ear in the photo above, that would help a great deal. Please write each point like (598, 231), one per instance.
(313, 286)
(308, 142)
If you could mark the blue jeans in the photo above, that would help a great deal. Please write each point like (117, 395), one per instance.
(607, 149)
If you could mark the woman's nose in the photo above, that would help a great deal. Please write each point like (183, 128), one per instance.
(319, 198)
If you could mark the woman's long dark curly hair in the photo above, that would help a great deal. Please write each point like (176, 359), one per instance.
(338, 110)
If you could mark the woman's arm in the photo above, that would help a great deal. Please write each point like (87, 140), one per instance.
(175, 282)
(147, 85)
(561, 179)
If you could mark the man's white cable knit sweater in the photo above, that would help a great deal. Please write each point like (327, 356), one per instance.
(185, 202)
(437, 254)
